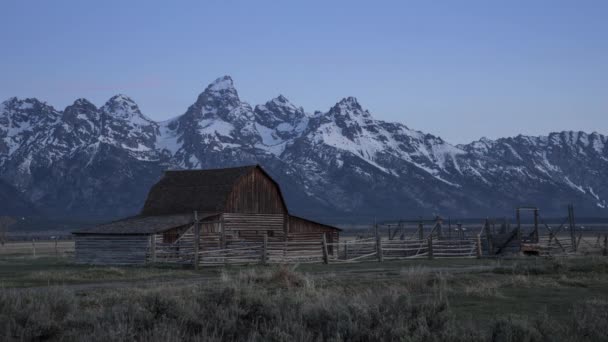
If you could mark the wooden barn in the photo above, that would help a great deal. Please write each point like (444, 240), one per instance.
(230, 215)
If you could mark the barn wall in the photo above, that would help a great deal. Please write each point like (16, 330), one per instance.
(254, 226)
(111, 249)
(255, 193)
(301, 226)
(303, 230)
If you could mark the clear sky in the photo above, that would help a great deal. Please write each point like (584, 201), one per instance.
(457, 69)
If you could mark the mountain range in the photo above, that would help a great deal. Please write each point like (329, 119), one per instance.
(340, 164)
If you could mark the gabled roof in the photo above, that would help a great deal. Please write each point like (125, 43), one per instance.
(316, 222)
(138, 225)
(186, 191)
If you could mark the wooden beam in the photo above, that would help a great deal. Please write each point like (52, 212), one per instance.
(265, 250)
(153, 248)
(324, 246)
(379, 248)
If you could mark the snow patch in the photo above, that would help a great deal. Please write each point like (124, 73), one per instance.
(217, 127)
(574, 186)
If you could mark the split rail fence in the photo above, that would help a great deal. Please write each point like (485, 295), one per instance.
(296, 248)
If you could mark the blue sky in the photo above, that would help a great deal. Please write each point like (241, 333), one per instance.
(457, 69)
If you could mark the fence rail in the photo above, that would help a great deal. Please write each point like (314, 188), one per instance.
(309, 250)
(38, 248)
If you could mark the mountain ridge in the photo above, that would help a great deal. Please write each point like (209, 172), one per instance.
(338, 162)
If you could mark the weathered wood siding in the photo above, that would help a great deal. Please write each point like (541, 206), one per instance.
(111, 249)
(257, 224)
(299, 225)
(255, 193)
(303, 229)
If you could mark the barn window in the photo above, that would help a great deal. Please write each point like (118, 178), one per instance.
(270, 233)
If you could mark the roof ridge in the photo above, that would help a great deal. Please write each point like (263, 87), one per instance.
(216, 169)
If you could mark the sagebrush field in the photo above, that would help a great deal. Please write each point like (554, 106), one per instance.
(528, 299)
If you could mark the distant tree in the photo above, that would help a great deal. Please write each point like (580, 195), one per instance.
(5, 223)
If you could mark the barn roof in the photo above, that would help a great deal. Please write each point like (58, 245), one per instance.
(316, 222)
(144, 224)
(185, 191)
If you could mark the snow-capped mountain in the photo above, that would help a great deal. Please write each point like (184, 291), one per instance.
(100, 162)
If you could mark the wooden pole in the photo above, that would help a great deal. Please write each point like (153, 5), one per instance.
(518, 229)
(285, 237)
(345, 250)
(223, 232)
(439, 228)
(479, 246)
(153, 247)
(33, 248)
(430, 243)
(197, 235)
(572, 226)
(324, 246)
(379, 248)
(605, 245)
(420, 231)
(56, 250)
(489, 237)
(536, 238)
(449, 228)
(265, 250)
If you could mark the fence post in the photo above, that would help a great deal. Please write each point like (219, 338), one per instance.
(420, 231)
(478, 245)
(430, 251)
(324, 246)
(345, 250)
(56, 251)
(153, 248)
(379, 248)
(265, 249)
(197, 232)
(33, 248)
(605, 245)
(578, 242)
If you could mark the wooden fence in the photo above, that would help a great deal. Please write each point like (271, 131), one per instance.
(38, 248)
(302, 248)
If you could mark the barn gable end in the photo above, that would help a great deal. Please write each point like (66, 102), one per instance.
(255, 193)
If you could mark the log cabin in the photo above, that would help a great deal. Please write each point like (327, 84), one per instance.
(196, 211)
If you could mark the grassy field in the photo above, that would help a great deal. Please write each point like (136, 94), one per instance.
(520, 299)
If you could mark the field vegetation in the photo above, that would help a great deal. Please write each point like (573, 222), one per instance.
(529, 299)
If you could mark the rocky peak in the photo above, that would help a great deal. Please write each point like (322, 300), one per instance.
(123, 107)
(81, 109)
(26, 113)
(220, 96)
(349, 106)
(278, 111)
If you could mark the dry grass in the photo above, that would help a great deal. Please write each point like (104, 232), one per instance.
(282, 303)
